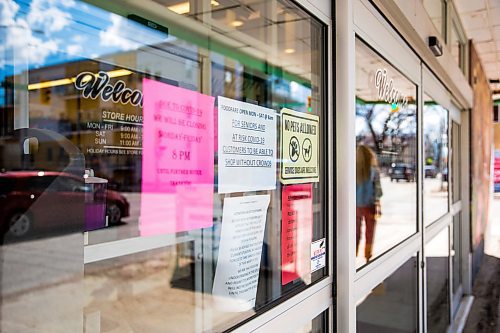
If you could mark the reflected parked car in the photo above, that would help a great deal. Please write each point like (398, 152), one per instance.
(44, 200)
(430, 171)
(402, 171)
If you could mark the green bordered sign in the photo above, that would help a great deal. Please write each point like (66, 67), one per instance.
(299, 147)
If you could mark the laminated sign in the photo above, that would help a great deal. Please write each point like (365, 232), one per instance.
(299, 147)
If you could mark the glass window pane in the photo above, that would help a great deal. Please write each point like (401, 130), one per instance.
(438, 293)
(386, 155)
(200, 133)
(456, 252)
(435, 160)
(456, 163)
(393, 305)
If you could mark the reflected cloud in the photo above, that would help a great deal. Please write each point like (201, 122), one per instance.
(18, 33)
(46, 16)
(9, 10)
(74, 49)
(44, 32)
(79, 39)
(113, 35)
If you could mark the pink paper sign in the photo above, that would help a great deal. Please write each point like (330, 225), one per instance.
(296, 232)
(177, 159)
(496, 169)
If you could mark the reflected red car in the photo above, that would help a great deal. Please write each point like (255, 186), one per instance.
(43, 200)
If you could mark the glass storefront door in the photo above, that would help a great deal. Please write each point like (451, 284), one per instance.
(187, 140)
(386, 238)
(442, 193)
(386, 155)
(408, 181)
(457, 239)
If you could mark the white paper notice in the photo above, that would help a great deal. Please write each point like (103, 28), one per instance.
(247, 147)
(242, 235)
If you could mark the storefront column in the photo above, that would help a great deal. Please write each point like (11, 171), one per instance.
(466, 231)
(346, 147)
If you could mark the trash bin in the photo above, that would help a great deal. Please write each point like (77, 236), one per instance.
(95, 201)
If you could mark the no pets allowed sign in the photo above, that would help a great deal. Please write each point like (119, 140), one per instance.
(299, 147)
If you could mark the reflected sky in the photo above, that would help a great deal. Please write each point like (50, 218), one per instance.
(435, 120)
(40, 33)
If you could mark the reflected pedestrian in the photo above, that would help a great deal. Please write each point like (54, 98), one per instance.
(368, 193)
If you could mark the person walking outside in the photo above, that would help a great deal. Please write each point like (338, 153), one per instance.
(368, 193)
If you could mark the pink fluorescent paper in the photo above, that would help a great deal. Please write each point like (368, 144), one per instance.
(177, 159)
(296, 232)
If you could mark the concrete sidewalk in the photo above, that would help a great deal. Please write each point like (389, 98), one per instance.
(484, 314)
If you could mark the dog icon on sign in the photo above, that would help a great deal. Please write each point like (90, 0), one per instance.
(307, 149)
(294, 149)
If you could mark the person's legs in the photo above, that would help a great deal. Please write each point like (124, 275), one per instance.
(359, 216)
(370, 230)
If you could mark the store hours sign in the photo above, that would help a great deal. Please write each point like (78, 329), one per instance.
(114, 127)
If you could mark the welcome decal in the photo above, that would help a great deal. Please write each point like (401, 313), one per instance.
(386, 90)
(97, 86)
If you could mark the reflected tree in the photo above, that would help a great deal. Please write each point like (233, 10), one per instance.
(387, 127)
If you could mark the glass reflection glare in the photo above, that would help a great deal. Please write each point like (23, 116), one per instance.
(386, 124)
(435, 187)
(392, 305)
(438, 272)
